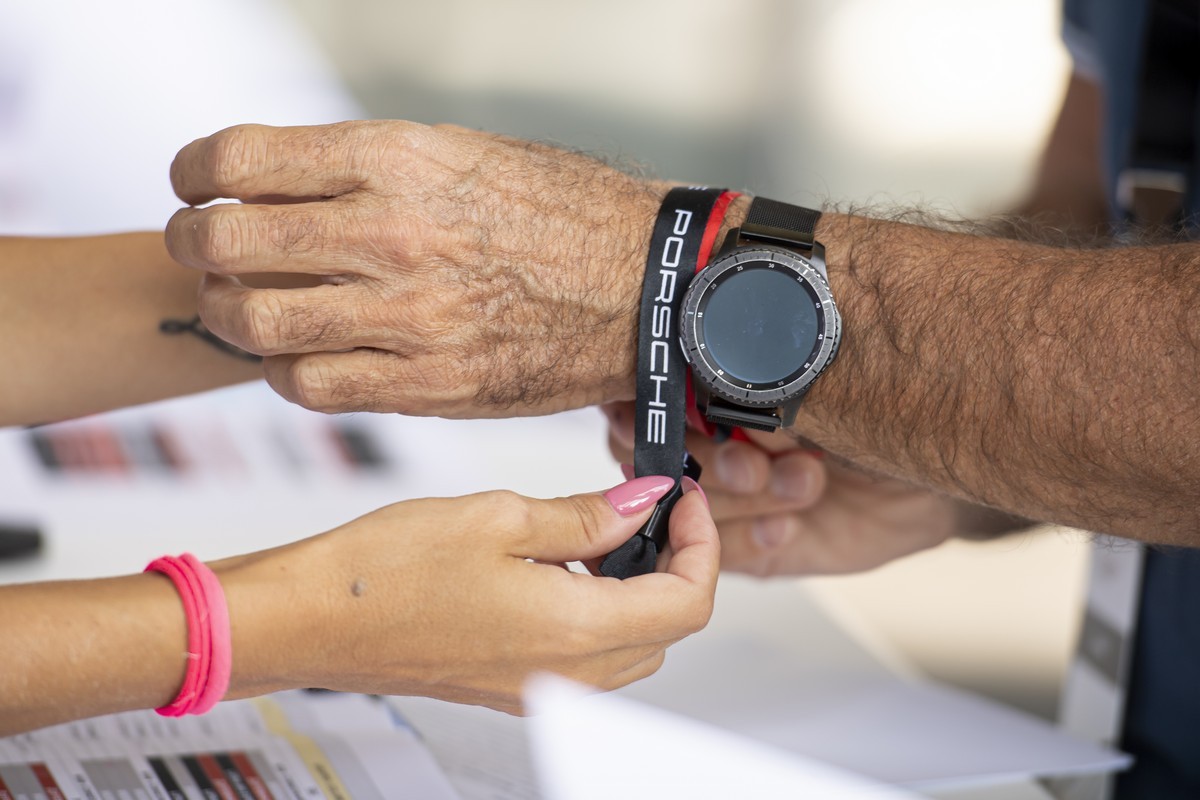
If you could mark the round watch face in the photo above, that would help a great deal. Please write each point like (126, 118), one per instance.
(759, 325)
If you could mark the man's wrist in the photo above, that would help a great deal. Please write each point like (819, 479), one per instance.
(628, 285)
(735, 215)
(626, 292)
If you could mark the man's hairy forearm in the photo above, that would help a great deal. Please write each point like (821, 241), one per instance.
(1053, 383)
(1050, 383)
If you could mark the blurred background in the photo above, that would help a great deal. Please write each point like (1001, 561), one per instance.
(942, 104)
(926, 101)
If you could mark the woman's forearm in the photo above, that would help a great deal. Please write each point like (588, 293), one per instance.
(79, 319)
(82, 648)
(79, 649)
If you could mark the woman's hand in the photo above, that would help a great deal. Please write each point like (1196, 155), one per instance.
(458, 599)
(461, 599)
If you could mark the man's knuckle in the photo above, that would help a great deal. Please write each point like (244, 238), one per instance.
(397, 139)
(365, 140)
(263, 312)
(313, 384)
(222, 236)
(232, 155)
(180, 236)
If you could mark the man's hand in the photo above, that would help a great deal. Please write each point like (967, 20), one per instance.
(785, 510)
(457, 273)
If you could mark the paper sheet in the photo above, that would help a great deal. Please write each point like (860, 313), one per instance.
(604, 745)
(774, 667)
(292, 746)
(484, 753)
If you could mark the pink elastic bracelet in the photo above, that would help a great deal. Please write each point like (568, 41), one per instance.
(210, 650)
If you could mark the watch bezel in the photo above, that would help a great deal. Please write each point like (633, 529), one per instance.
(715, 378)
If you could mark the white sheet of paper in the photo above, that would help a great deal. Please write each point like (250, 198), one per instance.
(774, 667)
(484, 753)
(600, 746)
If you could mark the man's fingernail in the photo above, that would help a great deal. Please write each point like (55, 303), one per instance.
(733, 469)
(627, 471)
(771, 533)
(690, 485)
(637, 495)
(790, 480)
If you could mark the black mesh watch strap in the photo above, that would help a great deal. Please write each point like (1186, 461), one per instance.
(773, 221)
(759, 420)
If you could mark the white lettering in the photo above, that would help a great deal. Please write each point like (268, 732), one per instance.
(683, 219)
(656, 431)
(662, 322)
(666, 351)
(666, 291)
(670, 259)
(672, 254)
(659, 380)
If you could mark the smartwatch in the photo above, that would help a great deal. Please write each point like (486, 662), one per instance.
(759, 324)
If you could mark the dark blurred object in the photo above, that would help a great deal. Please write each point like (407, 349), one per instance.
(19, 540)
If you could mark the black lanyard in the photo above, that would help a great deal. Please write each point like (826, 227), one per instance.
(661, 406)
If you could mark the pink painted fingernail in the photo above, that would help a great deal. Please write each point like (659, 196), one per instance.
(690, 485)
(627, 471)
(637, 495)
